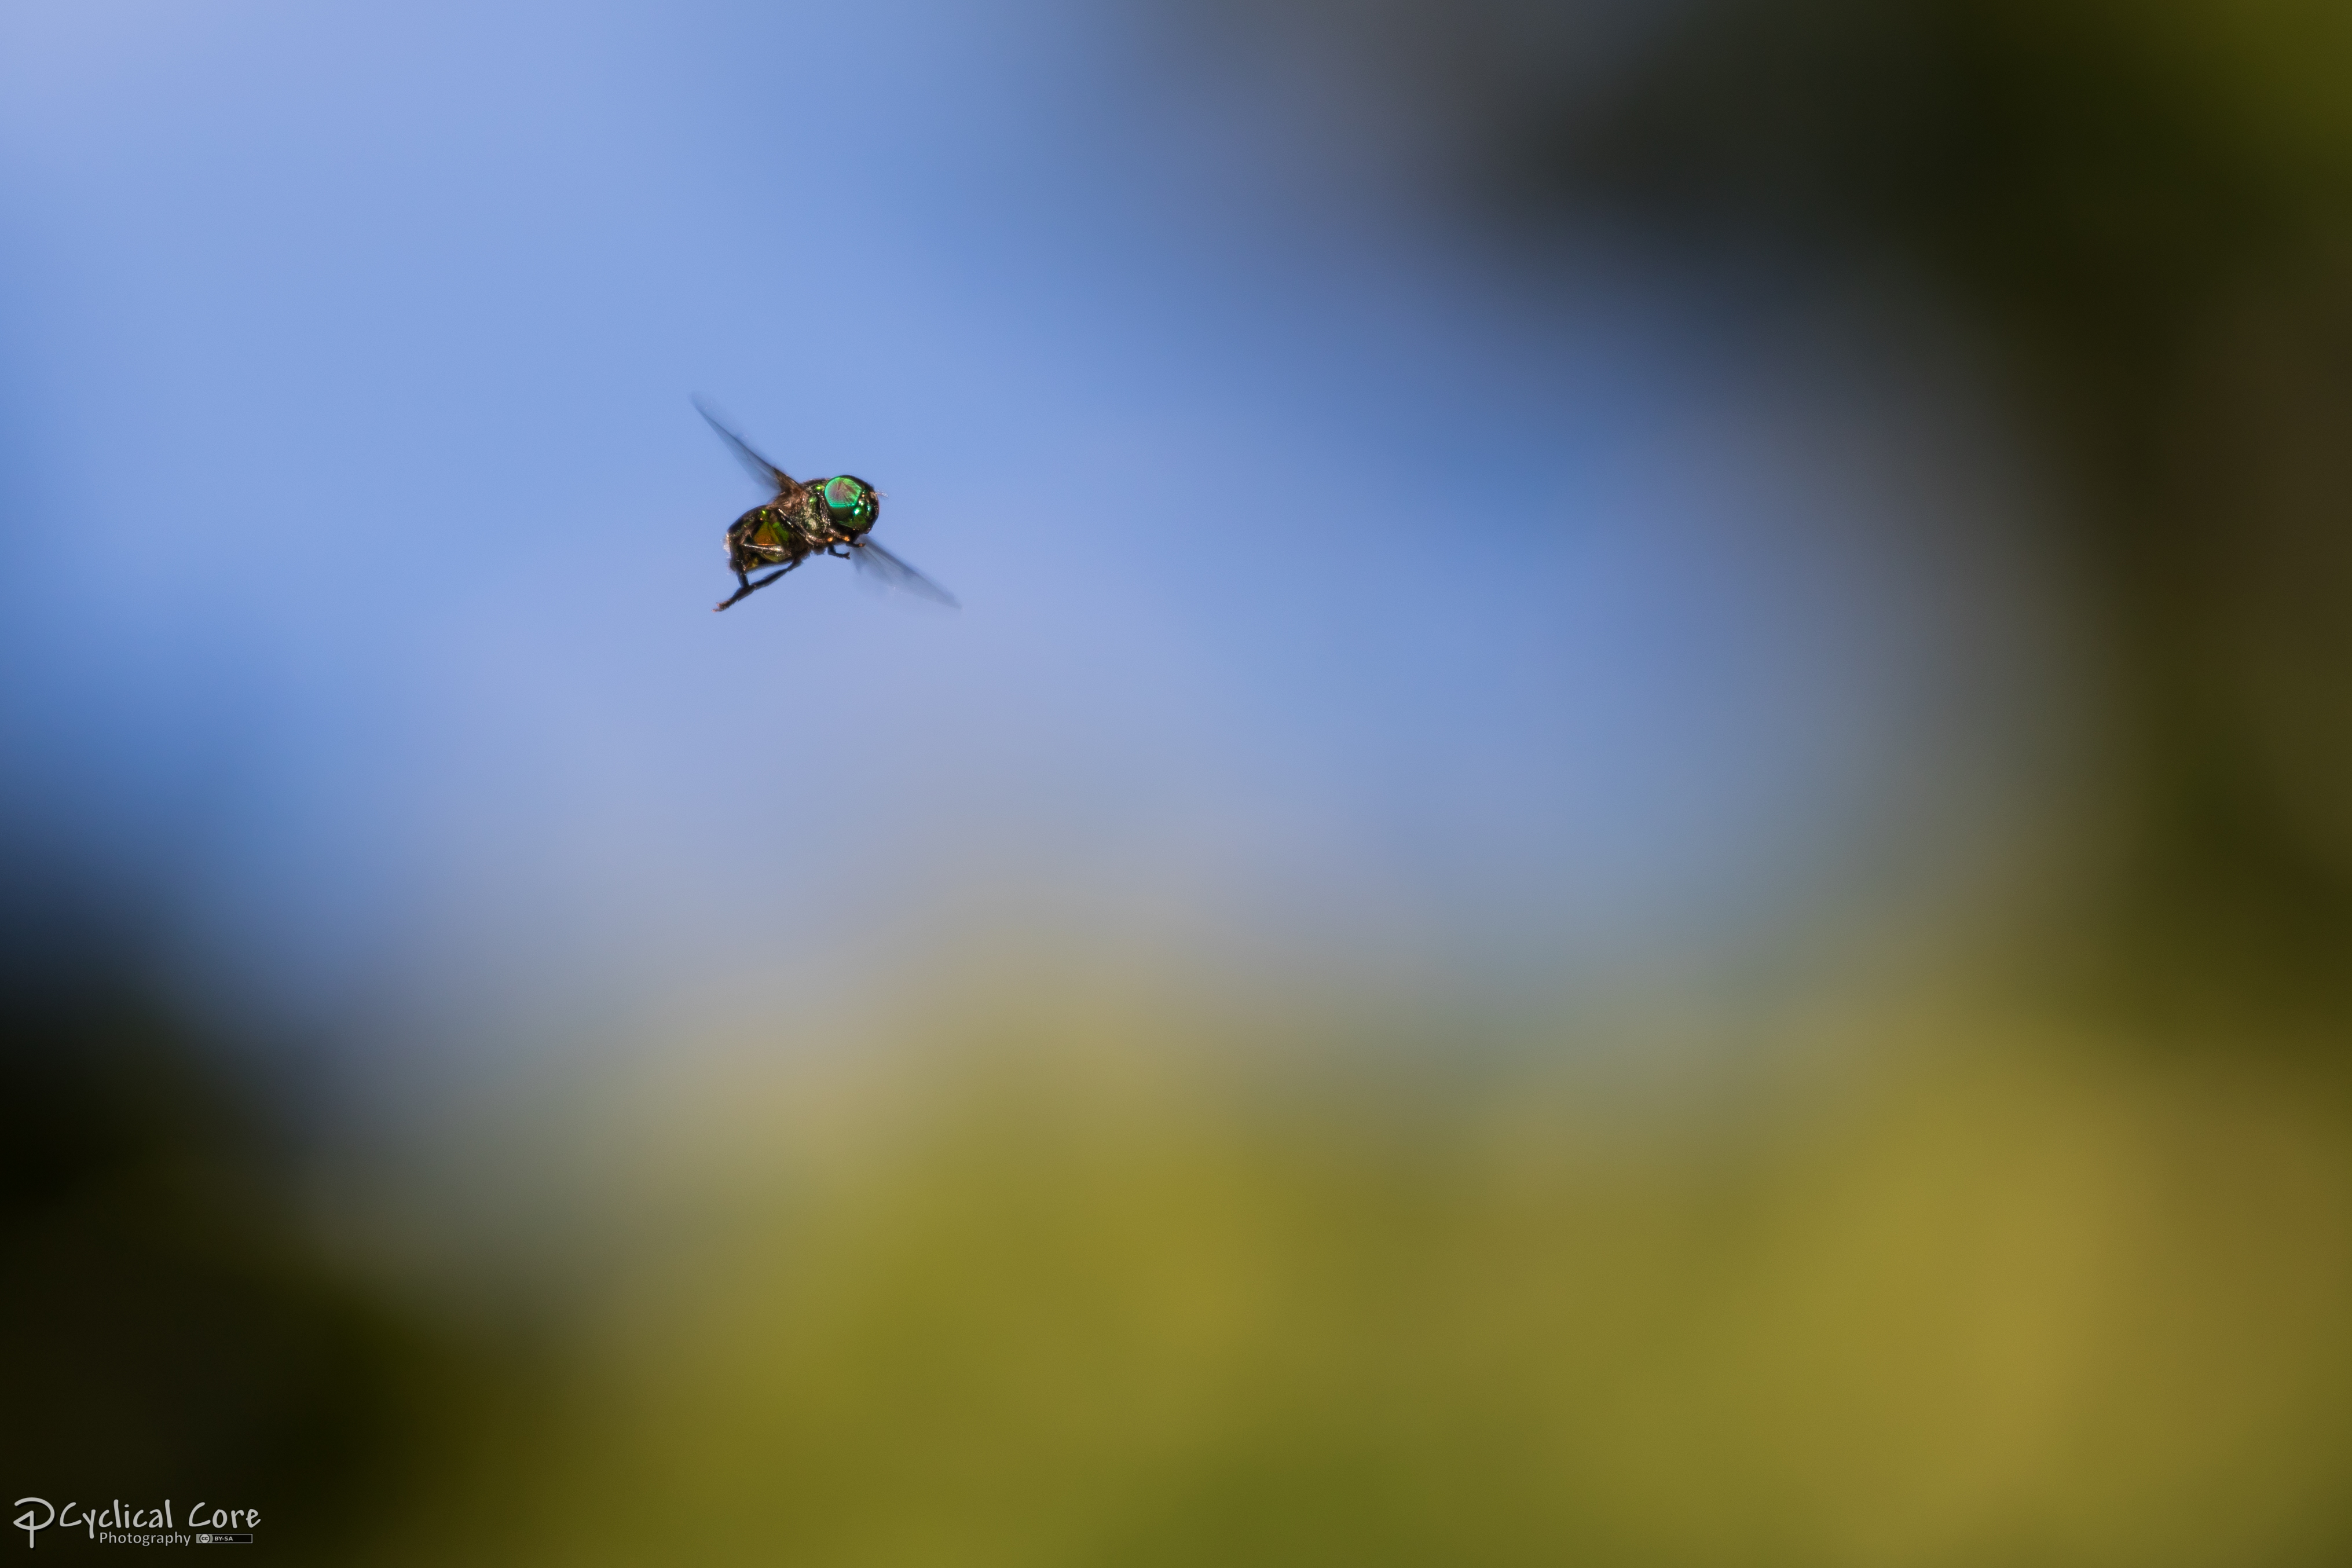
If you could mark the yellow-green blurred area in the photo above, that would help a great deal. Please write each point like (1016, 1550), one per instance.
(1101, 1283)
(1082, 1292)
(2035, 1250)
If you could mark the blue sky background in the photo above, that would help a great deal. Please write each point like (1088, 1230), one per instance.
(1334, 585)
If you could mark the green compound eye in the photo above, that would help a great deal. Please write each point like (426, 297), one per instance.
(851, 503)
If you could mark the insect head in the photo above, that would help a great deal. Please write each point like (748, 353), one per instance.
(851, 504)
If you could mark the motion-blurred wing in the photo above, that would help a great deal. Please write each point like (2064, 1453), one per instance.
(883, 567)
(757, 466)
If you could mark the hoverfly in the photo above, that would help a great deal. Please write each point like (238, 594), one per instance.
(821, 517)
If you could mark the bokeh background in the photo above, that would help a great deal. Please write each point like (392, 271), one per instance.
(1636, 847)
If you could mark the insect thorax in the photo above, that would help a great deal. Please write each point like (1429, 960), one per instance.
(784, 524)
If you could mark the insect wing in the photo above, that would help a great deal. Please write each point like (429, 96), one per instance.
(885, 568)
(757, 466)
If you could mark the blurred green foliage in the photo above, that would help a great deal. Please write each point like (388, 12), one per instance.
(169, 1326)
(2142, 211)
(1071, 1302)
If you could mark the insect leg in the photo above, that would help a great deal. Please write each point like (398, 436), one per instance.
(749, 587)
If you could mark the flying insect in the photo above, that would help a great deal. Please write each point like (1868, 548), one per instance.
(805, 518)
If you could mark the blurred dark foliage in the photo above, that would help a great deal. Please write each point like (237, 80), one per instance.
(169, 1330)
(2143, 208)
